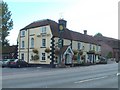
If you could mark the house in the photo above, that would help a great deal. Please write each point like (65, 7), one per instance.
(109, 45)
(9, 52)
(41, 43)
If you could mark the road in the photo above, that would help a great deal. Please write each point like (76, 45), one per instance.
(94, 76)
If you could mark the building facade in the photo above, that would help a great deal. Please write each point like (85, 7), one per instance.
(109, 45)
(38, 43)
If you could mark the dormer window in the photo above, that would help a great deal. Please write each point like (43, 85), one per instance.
(43, 30)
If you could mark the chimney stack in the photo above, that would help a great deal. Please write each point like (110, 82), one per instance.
(85, 32)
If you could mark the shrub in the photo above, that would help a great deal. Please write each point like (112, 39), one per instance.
(81, 52)
(47, 50)
(75, 52)
(35, 57)
(35, 51)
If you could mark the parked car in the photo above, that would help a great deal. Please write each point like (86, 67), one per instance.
(103, 60)
(117, 61)
(5, 62)
(18, 63)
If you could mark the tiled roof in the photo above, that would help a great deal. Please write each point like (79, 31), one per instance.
(114, 43)
(67, 34)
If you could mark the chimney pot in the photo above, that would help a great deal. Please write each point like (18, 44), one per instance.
(85, 32)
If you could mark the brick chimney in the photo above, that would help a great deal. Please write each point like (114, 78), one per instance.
(85, 32)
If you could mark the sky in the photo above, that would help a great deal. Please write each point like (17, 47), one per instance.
(91, 15)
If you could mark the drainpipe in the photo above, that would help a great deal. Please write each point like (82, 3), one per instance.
(19, 43)
(28, 47)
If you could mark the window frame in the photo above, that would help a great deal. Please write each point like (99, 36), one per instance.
(23, 33)
(79, 45)
(23, 44)
(22, 56)
(90, 47)
(32, 42)
(43, 57)
(43, 30)
(43, 42)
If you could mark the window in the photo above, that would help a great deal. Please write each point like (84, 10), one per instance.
(97, 48)
(90, 47)
(43, 42)
(32, 42)
(43, 29)
(43, 56)
(79, 46)
(23, 33)
(31, 57)
(94, 48)
(22, 56)
(23, 44)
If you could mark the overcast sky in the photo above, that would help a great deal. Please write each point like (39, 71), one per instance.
(91, 15)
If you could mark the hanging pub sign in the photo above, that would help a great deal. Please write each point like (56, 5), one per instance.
(61, 27)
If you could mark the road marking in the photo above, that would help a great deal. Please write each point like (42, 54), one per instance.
(87, 80)
(39, 67)
(118, 74)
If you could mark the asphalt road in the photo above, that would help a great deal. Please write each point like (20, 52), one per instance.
(94, 76)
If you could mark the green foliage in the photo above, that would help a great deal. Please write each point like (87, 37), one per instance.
(75, 52)
(7, 22)
(98, 34)
(80, 52)
(47, 50)
(35, 57)
(109, 55)
(35, 51)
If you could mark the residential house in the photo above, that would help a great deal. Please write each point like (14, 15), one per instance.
(39, 43)
(109, 45)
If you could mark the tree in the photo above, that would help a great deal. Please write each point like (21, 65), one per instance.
(98, 34)
(109, 55)
(7, 23)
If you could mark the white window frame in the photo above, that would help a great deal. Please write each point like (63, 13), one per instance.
(44, 30)
(43, 42)
(90, 46)
(97, 48)
(31, 57)
(23, 33)
(22, 56)
(43, 56)
(79, 45)
(23, 44)
(32, 42)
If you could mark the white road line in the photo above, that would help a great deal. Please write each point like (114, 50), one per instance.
(86, 80)
(118, 74)
(39, 67)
